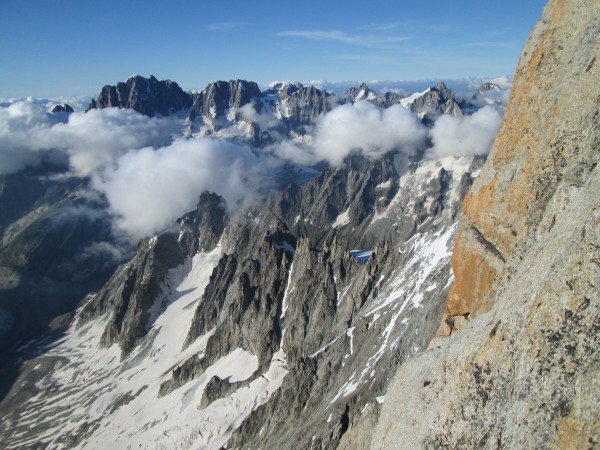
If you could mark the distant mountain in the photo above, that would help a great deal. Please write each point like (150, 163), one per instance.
(218, 103)
(62, 108)
(297, 105)
(283, 110)
(486, 87)
(145, 95)
(435, 100)
(363, 92)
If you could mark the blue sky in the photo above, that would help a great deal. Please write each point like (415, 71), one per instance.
(66, 47)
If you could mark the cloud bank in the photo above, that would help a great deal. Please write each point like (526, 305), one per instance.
(151, 175)
(466, 135)
(148, 189)
(28, 134)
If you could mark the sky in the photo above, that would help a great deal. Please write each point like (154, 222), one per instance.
(66, 47)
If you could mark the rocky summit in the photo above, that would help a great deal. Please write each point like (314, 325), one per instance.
(148, 96)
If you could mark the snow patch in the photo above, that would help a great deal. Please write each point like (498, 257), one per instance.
(407, 101)
(342, 219)
(385, 185)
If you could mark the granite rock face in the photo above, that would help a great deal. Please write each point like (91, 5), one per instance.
(214, 104)
(65, 107)
(437, 100)
(521, 366)
(134, 293)
(147, 96)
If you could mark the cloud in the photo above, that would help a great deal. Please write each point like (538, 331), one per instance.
(94, 139)
(29, 135)
(18, 121)
(360, 127)
(149, 178)
(264, 120)
(466, 135)
(148, 189)
(341, 36)
(106, 251)
(364, 126)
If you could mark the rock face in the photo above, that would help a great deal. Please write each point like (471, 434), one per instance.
(486, 87)
(54, 240)
(217, 100)
(134, 293)
(437, 100)
(298, 105)
(523, 369)
(145, 95)
(62, 108)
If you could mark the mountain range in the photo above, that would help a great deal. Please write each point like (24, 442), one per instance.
(402, 298)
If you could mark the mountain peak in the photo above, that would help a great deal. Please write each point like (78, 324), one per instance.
(148, 96)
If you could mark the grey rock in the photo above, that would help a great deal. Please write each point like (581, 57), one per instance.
(213, 104)
(137, 287)
(297, 105)
(363, 92)
(147, 96)
(524, 371)
(388, 99)
(62, 108)
(438, 100)
(216, 389)
(489, 86)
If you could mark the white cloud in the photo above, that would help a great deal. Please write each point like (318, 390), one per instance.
(149, 179)
(374, 41)
(95, 138)
(264, 120)
(148, 189)
(365, 127)
(466, 135)
(90, 140)
(18, 121)
(360, 127)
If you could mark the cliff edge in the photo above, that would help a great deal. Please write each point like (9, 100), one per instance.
(521, 367)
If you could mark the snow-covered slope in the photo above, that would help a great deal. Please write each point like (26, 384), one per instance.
(97, 400)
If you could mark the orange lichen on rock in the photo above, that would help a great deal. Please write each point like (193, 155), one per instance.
(530, 156)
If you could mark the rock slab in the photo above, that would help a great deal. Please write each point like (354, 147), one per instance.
(523, 371)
